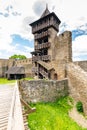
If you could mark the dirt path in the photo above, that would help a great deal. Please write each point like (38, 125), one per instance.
(78, 118)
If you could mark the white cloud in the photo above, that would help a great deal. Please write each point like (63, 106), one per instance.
(17, 14)
(79, 47)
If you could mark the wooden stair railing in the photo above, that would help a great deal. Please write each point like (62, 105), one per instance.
(26, 109)
(15, 121)
(29, 109)
(24, 103)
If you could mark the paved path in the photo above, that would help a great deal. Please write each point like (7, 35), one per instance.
(6, 92)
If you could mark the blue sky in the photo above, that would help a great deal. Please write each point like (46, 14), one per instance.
(16, 15)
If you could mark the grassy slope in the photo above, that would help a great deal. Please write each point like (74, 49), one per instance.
(52, 116)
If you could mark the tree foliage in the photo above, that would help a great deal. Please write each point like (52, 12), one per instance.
(18, 57)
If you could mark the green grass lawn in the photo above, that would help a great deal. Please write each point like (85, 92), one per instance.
(5, 81)
(52, 116)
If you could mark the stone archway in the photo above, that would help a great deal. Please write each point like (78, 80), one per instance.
(55, 76)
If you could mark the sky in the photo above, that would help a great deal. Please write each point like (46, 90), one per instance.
(16, 15)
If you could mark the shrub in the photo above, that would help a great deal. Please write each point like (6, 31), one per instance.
(79, 106)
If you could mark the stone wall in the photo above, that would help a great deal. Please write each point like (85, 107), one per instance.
(5, 64)
(43, 90)
(78, 84)
(27, 64)
(51, 39)
(82, 64)
(59, 67)
(63, 47)
(3, 67)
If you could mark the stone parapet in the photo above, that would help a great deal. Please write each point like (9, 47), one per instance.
(43, 90)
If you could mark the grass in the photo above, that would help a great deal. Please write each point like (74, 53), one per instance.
(5, 81)
(53, 116)
(28, 78)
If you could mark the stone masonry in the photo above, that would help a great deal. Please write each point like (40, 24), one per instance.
(5, 64)
(77, 84)
(43, 90)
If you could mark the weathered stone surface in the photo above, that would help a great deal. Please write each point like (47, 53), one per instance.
(78, 84)
(43, 90)
(82, 64)
(63, 47)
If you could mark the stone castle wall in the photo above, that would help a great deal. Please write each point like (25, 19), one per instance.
(27, 64)
(82, 64)
(5, 64)
(43, 90)
(53, 35)
(59, 67)
(63, 47)
(78, 84)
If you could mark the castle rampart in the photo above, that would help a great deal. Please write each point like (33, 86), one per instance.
(78, 84)
(82, 64)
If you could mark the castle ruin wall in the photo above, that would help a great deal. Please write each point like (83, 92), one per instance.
(63, 47)
(43, 90)
(82, 64)
(78, 84)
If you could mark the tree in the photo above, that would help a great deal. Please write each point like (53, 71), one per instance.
(17, 57)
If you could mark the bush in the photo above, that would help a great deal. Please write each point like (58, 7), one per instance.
(79, 106)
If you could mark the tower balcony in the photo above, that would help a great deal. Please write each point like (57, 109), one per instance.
(43, 58)
(45, 25)
(43, 45)
(41, 35)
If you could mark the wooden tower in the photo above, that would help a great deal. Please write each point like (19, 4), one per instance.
(44, 31)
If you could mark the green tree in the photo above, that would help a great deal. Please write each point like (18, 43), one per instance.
(18, 57)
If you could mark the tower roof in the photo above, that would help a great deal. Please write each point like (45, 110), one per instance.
(46, 12)
(46, 15)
